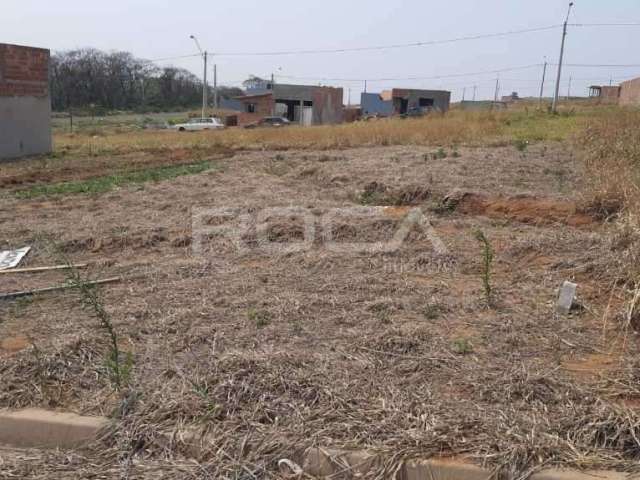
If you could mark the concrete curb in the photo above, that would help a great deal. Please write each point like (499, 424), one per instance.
(34, 428)
(323, 463)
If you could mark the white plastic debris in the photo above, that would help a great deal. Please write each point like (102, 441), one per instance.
(566, 298)
(11, 258)
(293, 468)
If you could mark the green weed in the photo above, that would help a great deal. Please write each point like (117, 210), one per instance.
(261, 318)
(462, 346)
(117, 363)
(521, 145)
(439, 154)
(109, 182)
(487, 261)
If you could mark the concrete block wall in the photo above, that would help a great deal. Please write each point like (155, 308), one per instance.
(25, 106)
(630, 93)
(327, 105)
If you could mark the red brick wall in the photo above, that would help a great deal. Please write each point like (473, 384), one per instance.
(263, 104)
(630, 93)
(240, 119)
(609, 94)
(24, 71)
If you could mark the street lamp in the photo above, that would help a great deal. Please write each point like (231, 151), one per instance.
(204, 81)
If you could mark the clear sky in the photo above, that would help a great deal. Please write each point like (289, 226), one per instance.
(158, 29)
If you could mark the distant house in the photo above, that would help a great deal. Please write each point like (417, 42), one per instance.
(630, 93)
(303, 104)
(401, 101)
(514, 97)
(25, 106)
(607, 94)
(626, 94)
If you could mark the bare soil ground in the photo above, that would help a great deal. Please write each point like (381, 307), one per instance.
(267, 354)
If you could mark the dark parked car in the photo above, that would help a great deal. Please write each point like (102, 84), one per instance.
(415, 112)
(270, 122)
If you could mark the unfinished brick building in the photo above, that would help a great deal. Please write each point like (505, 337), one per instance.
(25, 106)
(627, 94)
(606, 94)
(304, 104)
(630, 93)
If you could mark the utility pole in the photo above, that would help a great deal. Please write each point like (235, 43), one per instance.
(273, 90)
(204, 80)
(554, 107)
(215, 85)
(495, 97)
(475, 88)
(365, 86)
(205, 87)
(569, 89)
(464, 91)
(544, 74)
(349, 98)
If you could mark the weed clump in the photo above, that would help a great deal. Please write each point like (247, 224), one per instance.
(261, 318)
(119, 364)
(487, 261)
(462, 346)
(432, 311)
(437, 155)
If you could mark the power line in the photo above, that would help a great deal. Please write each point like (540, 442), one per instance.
(173, 58)
(389, 47)
(404, 45)
(435, 77)
(632, 24)
(592, 65)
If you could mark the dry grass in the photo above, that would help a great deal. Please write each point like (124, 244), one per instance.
(455, 128)
(266, 356)
(611, 148)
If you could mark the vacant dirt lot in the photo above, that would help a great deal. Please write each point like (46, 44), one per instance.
(265, 352)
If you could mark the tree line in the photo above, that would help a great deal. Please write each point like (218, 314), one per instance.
(92, 79)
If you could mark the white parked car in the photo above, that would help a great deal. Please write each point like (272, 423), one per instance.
(199, 124)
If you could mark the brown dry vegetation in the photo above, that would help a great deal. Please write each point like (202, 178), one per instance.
(266, 355)
(458, 127)
(611, 147)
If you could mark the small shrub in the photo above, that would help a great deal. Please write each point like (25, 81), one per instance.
(261, 318)
(487, 261)
(462, 346)
(432, 311)
(439, 154)
(117, 363)
(374, 193)
(382, 312)
(521, 145)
